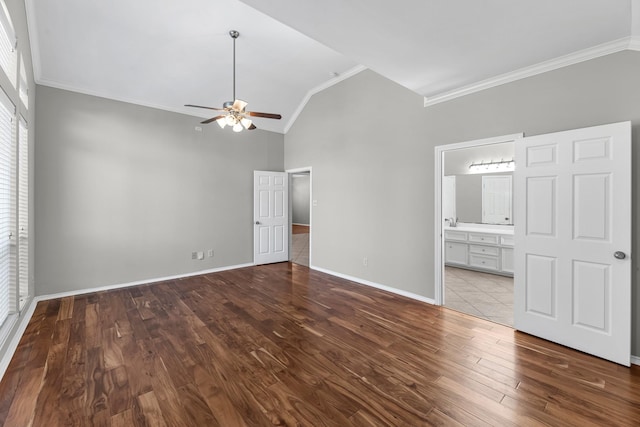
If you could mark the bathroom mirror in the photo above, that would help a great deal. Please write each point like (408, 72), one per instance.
(462, 188)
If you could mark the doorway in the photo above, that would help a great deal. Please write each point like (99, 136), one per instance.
(474, 256)
(300, 204)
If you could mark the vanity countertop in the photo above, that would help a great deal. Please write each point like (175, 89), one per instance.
(477, 228)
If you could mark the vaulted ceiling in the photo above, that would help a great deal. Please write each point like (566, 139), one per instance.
(166, 53)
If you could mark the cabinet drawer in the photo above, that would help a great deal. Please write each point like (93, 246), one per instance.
(490, 239)
(484, 250)
(455, 235)
(506, 240)
(482, 261)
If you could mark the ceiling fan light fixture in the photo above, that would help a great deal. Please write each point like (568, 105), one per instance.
(230, 119)
(233, 112)
(245, 122)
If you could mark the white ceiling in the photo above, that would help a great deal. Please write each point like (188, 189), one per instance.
(167, 53)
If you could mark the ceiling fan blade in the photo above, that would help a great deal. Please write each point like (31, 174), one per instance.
(239, 105)
(200, 106)
(213, 119)
(264, 115)
(252, 127)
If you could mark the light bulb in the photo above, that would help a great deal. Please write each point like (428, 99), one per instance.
(245, 122)
(237, 127)
(221, 122)
(230, 119)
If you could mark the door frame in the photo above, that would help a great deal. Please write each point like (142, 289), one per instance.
(290, 173)
(439, 171)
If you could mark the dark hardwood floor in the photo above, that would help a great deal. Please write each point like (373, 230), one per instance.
(282, 345)
(300, 229)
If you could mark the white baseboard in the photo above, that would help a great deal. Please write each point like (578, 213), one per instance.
(635, 360)
(297, 223)
(139, 282)
(376, 285)
(21, 327)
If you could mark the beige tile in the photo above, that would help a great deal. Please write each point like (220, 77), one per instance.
(480, 294)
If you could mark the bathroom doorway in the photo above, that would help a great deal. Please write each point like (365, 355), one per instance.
(474, 256)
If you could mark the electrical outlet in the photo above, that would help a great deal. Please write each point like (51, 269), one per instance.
(365, 261)
(210, 253)
(194, 255)
(200, 255)
(315, 203)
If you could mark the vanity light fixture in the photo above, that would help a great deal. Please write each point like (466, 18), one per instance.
(492, 167)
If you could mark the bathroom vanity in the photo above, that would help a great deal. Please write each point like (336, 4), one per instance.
(481, 247)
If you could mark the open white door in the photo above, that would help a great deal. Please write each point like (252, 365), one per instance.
(270, 217)
(573, 239)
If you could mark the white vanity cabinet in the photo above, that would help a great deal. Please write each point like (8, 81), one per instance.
(455, 253)
(486, 251)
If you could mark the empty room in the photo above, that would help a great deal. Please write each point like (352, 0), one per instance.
(336, 213)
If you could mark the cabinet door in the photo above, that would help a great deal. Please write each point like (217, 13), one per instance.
(507, 260)
(455, 253)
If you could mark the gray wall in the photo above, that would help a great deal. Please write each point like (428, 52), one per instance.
(126, 193)
(374, 181)
(300, 193)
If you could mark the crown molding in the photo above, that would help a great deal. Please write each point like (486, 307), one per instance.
(349, 73)
(626, 43)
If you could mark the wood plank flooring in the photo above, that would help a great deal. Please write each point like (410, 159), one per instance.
(283, 345)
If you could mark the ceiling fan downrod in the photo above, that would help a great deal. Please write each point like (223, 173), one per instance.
(234, 35)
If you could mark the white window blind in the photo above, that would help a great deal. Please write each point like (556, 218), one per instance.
(23, 210)
(8, 51)
(7, 153)
(23, 85)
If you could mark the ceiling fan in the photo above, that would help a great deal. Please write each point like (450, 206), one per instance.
(235, 114)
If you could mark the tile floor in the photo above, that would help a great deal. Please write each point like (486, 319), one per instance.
(480, 294)
(300, 248)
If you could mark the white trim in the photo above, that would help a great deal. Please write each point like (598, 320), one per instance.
(57, 85)
(32, 25)
(63, 86)
(17, 336)
(139, 282)
(438, 171)
(614, 46)
(297, 223)
(375, 285)
(347, 74)
(635, 360)
(290, 173)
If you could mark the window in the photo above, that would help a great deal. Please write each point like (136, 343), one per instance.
(23, 211)
(8, 51)
(14, 177)
(23, 86)
(7, 145)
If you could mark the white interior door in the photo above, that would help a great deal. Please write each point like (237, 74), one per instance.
(496, 199)
(449, 196)
(270, 217)
(573, 239)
